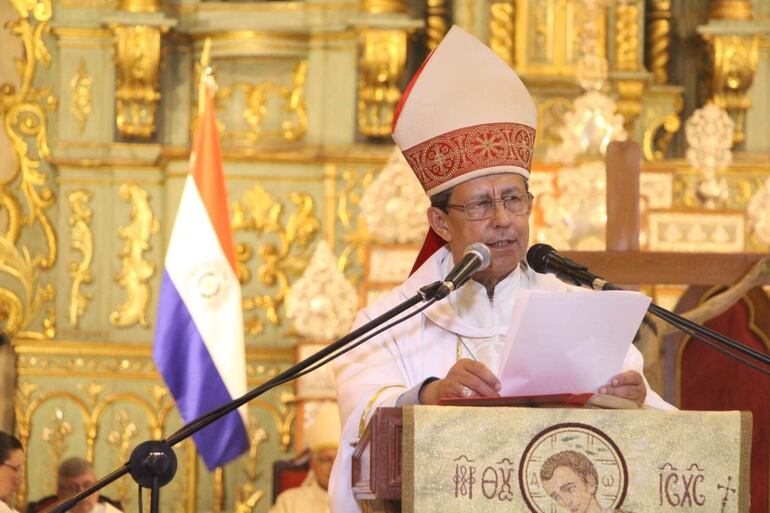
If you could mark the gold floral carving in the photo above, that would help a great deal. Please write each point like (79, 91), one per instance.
(735, 62)
(435, 22)
(627, 36)
(256, 96)
(381, 70)
(248, 495)
(322, 303)
(23, 111)
(136, 272)
(123, 439)
(356, 232)
(17, 309)
(138, 63)
(56, 437)
(659, 39)
(83, 241)
(81, 89)
(660, 127)
(260, 212)
(502, 23)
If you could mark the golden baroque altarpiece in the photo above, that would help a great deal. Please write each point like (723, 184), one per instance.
(97, 120)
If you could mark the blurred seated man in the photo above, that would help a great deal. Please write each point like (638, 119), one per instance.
(75, 475)
(11, 469)
(322, 438)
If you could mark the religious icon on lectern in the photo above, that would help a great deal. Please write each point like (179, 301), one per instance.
(573, 468)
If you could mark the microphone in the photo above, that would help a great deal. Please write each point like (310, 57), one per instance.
(543, 259)
(477, 257)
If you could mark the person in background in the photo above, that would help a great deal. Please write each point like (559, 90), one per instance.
(75, 474)
(11, 469)
(322, 438)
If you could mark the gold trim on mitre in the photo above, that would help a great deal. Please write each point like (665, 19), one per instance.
(469, 152)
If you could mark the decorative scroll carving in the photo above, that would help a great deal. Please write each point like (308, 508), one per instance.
(735, 62)
(660, 127)
(23, 112)
(658, 39)
(136, 272)
(83, 241)
(759, 214)
(627, 36)
(138, 62)
(502, 25)
(123, 438)
(18, 310)
(356, 233)
(435, 22)
(81, 89)
(260, 212)
(381, 70)
(256, 96)
(248, 495)
(56, 437)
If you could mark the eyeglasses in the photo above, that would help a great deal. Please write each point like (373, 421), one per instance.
(17, 469)
(484, 209)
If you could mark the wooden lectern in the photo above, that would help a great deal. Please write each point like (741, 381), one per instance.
(423, 459)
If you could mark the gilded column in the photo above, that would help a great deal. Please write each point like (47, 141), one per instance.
(733, 38)
(502, 24)
(658, 39)
(381, 65)
(435, 22)
(630, 85)
(137, 59)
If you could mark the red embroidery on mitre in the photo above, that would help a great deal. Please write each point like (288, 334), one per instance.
(467, 149)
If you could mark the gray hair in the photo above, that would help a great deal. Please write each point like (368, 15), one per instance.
(74, 466)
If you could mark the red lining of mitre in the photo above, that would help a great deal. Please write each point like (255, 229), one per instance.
(408, 90)
(432, 241)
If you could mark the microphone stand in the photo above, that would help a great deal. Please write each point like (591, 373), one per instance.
(702, 333)
(153, 463)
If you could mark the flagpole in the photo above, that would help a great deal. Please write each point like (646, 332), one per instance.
(207, 75)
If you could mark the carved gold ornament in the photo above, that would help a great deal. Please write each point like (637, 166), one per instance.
(138, 62)
(659, 39)
(589, 128)
(81, 89)
(259, 212)
(82, 241)
(256, 97)
(759, 214)
(381, 70)
(322, 303)
(21, 303)
(502, 29)
(394, 204)
(248, 494)
(356, 232)
(435, 22)
(735, 63)
(709, 134)
(23, 112)
(135, 275)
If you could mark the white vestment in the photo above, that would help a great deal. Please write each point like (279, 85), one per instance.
(309, 497)
(377, 372)
(5, 508)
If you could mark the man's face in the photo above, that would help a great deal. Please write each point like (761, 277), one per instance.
(570, 491)
(321, 464)
(507, 235)
(69, 486)
(11, 471)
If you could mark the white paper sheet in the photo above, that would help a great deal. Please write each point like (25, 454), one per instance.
(568, 342)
